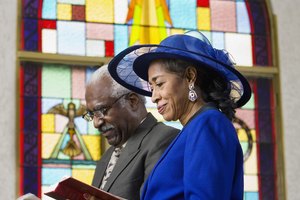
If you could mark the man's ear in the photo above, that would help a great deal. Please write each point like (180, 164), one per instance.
(134, 100)
(191, 74)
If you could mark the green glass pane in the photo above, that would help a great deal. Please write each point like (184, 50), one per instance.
(60, 86)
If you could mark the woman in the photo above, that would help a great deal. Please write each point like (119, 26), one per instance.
(194, 83)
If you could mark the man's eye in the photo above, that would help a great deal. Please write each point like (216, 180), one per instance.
(104, 111)
(90, 113)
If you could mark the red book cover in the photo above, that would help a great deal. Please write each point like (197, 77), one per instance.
(74, 189)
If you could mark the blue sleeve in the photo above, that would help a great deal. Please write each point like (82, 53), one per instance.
(210, 158)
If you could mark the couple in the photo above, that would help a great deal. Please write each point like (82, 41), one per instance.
(189, 81)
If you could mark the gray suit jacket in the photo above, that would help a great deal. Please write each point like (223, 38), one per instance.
(142, 151)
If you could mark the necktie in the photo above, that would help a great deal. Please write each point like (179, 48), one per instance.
(113, 160)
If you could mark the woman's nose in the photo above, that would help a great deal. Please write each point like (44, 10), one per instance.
(155, 96)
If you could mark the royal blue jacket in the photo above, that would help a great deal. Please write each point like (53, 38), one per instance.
(205, 162)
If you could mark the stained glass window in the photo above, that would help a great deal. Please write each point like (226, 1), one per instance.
(52, 95)
(56, 141)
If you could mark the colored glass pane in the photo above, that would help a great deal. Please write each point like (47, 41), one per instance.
(203, 18)
(75, 2)
(202, 3)
(78, 13)
(109, 48)
(99, 31)
(239, 46)
(64, 12)
(99, 11)
(95, 48)
(58, 87)
(83, 174)
(218, 40)
(78, 82)
(243, 23)
(120, 11)
(49, 38)
(223, 16)
(48, 123)
(183, 13)
(49, 9)
(71, 37)
(121, 38)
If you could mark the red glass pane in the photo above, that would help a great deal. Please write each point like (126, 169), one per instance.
(109, 48)
(202, 3)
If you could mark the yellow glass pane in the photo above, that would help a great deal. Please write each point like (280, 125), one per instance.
(203, 15)
(93, 144)
(151, 18)
(250, 166)
(48, 123)
(243, 136)
(84, 175)
(136, 29)
(64, 11)
(49, 140)
(155, 113)
(99, 11)
(177, 31)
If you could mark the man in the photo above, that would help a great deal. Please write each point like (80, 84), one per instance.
(137, 140)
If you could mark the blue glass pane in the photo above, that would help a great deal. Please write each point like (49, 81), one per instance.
(251, 195)
(49, 9)
(243, 24)
(30, 34)
(88, 73)
(174, 124)
(121, 38)
(30, 177)
(81, 125)
(51, 176)
(183, 13)
(48, 103)
(218, 40)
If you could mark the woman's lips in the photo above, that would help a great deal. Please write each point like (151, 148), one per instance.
(161, 109)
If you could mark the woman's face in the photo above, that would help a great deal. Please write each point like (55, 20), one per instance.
(169, 92)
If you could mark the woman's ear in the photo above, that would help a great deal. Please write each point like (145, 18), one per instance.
(191, 74)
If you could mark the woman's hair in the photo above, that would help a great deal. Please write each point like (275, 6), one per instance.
(212, 85)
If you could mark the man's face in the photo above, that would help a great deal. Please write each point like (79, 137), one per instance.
(114, 124)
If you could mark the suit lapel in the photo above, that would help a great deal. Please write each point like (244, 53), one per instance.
(102, 164)
(131, 149)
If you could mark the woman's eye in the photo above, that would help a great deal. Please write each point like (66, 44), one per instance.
(159, 84)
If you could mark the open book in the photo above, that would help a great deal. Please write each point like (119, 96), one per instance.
(74, 189)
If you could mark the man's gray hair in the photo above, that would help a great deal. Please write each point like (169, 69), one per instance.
(117, 89)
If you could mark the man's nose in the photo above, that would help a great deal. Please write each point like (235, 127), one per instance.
(98, 121)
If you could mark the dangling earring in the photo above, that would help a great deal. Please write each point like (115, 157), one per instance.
(192, 94)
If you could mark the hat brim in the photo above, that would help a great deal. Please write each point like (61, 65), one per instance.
(135, 62)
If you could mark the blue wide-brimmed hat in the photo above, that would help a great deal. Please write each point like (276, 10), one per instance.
(130, 67)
